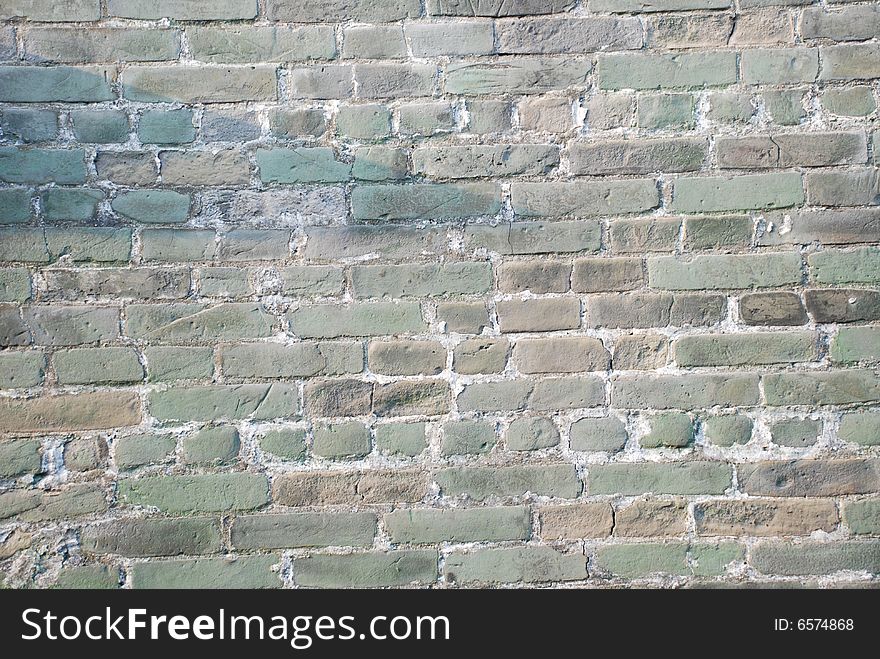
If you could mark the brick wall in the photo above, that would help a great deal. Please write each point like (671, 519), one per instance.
(443, 292)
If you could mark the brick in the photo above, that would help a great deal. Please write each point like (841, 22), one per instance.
(365, 122)
(638, 6)
(83, 454)
(185, 321)
(809, 478)
(496, 8)
(393, 243)
(642, 560)
(72, 325)
(425, 201)
(261, 44)
(645, 310)
(671, 429)
(515, 564)
(241, 572)
(367, 570)
(847, 305)
(757, 191)
(287, 444)
(551, 115)
(682, 478)
(16, 204)
(406, 357)
(428, 526)
(228, 167)
(233, 402)
(203, 84)
(140, 450)
(531, 434)
(684, 391)
(581, 520)
(193, 494)
(833, 226)
(126, 168)
(861, 428)
(341, 441)
(45, 11)
(584, 199)
(728, 430)
(784, 151)
(480, 161)
(815, 558)
(765, 517)
(543, 276)
(644, 235)
(394, 80)
(822, 388)
(357, 319)
(88, 576)
(153, 206)
(515, 76)
(64, 413)
(747, 349)
(850, 62)
(394, 281)
(223, 282)
(657, 111)
(846, 24)
(567, 35)
(334, 398)
(651, 517)
(184, 10)
(118, 283)
(325, 81)
(64, 166)
(288, 206)
(19, 457)
(452, 38)
(13, 331)
(551, 480)
(535, 237)
(304, 359)
(332, 488)
(643, 71)
(166, 127)
(22, 369)
(172, 363)
(476, 356)
(720, 271)
(566, 393)
(74, 45)
(100, 126)
(15, 285)
(323, 11)
(856, 344)
(836, 267)
(862, 516)
(772, 309)
(463, 317)
(467, 437)
(539, 315)
(97, 366)
(849, 101)
(606, 111)
(489, 116)
(409, 398)
(640, 352)
(304, 165)
(401, 438)
(593, 275)
(303, 530)
(637, 156)
(730, 107)
(230, 126)
(770, 26)
(154, 537)
(66, 84)
(797, 433)
(29, 125)
(254, 245)
(425, 118)
(312, 280)
(786, 107)
(771, 67)
(211, 446)
(560, 355)
(374, 42)
(76, 500)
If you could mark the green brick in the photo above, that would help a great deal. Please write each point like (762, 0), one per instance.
(684, 391)
(406, 439)
(850, 62)
(377, 163)
(861, 428)
(303, 359)
(63, 166)
(342, 441)
(672, 429)
(91, 577)
(302, 165)
(476, 356)
(513, 76)
(364, 122)
(15, 285)
(584, 199)
(241, 572)
(185, 10)
(139, 450)
(233, 402)
(425, 118)
(66, 204)
(653, 71)
(261, 44)
(223, 282)
(683, 478)
(856, 344)
(48, 11)
(796, 433)
(666, 111)
(154, 537)
(16, 205)
(710, 560)
(496, 8)
(193, 322)
(815, 558)
(166, 127)
(480, 161)
(211, 446)
(728, 430)
(531, 434)
(193, 494)
(152, 206)
(715, 232)
(358, 319)
(66, 84)
(785, 106)
(552, 480)
(29, 125)
(757, 191)
(430, 526)
(643, 560)
(97, 366)
(747, 349)
(341, 529)
(289, 444)
(598, 434)
(860, 266)
(367, 570)
(862, 517)
(200, 84)
(809, 478)
(72, 325)
(822, 387)
(535, 237)
(468, 437)
(406, 357)
(433, 280)
(771, 67)
(19, 370)
(515, 564)
(172, 363)
(76, 500)
(724, 271)
(97, 44)
(19, 457)
(425, 201)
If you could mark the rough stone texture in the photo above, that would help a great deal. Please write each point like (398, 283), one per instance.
(439, 293)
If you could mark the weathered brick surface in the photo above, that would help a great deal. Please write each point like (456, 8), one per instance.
(318, 293)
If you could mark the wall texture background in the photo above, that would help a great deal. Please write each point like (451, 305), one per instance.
(443, 292)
